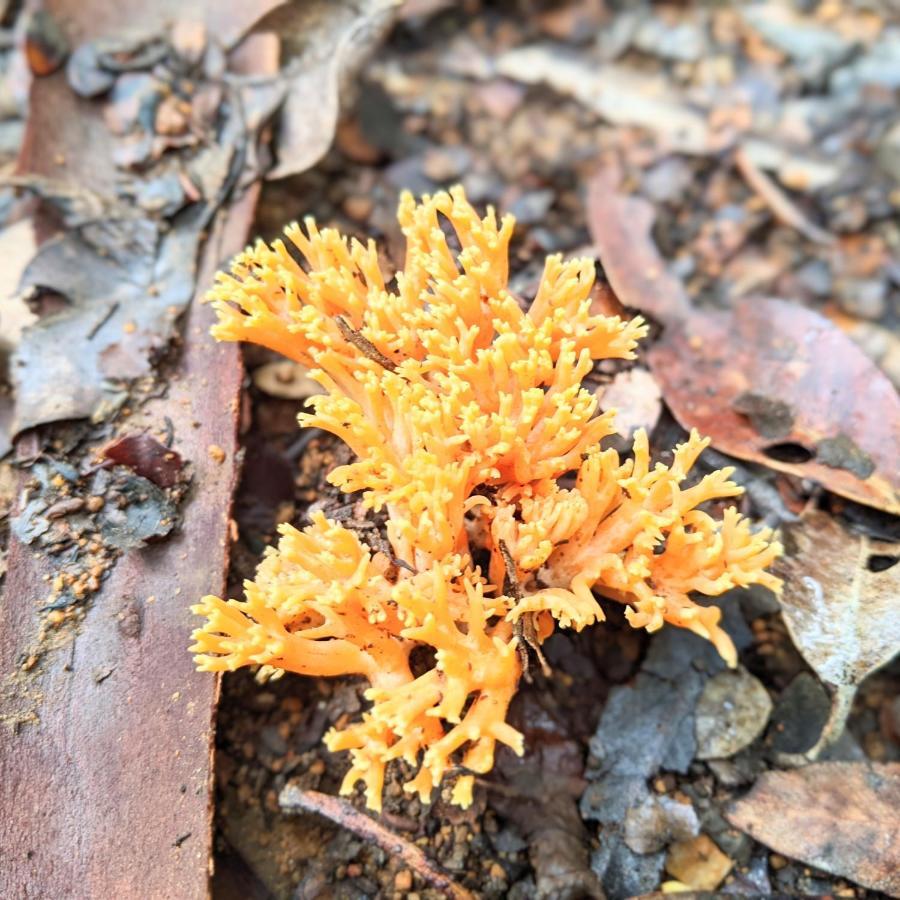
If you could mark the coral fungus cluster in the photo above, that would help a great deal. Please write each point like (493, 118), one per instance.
(471, 429)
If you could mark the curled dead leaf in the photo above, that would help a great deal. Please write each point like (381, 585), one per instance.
(323, 42)
(620, 228)
(780, 385)
(840, 605)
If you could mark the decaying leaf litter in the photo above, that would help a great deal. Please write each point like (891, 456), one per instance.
(112, 282)
(484, 98)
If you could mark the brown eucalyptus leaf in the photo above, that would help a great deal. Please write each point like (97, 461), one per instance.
(780, 385)
(840, 605)
(839, 817)
(620, 229)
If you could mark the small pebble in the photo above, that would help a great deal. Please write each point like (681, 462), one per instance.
(698, 863)
(216, 454)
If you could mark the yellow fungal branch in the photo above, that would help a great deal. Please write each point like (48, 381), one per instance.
(464, 407)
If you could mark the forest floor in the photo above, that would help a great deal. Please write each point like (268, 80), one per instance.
(734, 170)
(805, 211)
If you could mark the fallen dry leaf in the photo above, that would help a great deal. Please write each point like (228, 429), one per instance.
(135, 271)
(780, 385)
(147, 457)
(634, 395)
(620, 229)
(834, 816)
(323, 43)
(840, 606)
(17, 246)
(769, 381)
(123, 299)
(619, 94)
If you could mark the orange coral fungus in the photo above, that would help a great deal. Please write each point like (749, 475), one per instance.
(464, 408)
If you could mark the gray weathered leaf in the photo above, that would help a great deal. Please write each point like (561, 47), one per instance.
(323, 42)
(840, 606)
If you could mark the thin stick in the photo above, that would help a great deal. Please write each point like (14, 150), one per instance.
(103, 320)
(778, 202)
(342, 813)
(514, 586)
(525, 628)
(364, 345)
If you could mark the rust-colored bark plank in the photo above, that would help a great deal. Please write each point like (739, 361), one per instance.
(107, 793)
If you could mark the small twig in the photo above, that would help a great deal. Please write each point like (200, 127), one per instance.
(169, 433)
(293, 799)
(377, 542)
(504, 790)
(514, 587)
(299, 444)
(364, 345)
(110, 312)
(778, 202)
(371, 533)
(525, 629)
(70, 665)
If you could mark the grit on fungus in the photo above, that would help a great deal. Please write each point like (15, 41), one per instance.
(464, 409)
